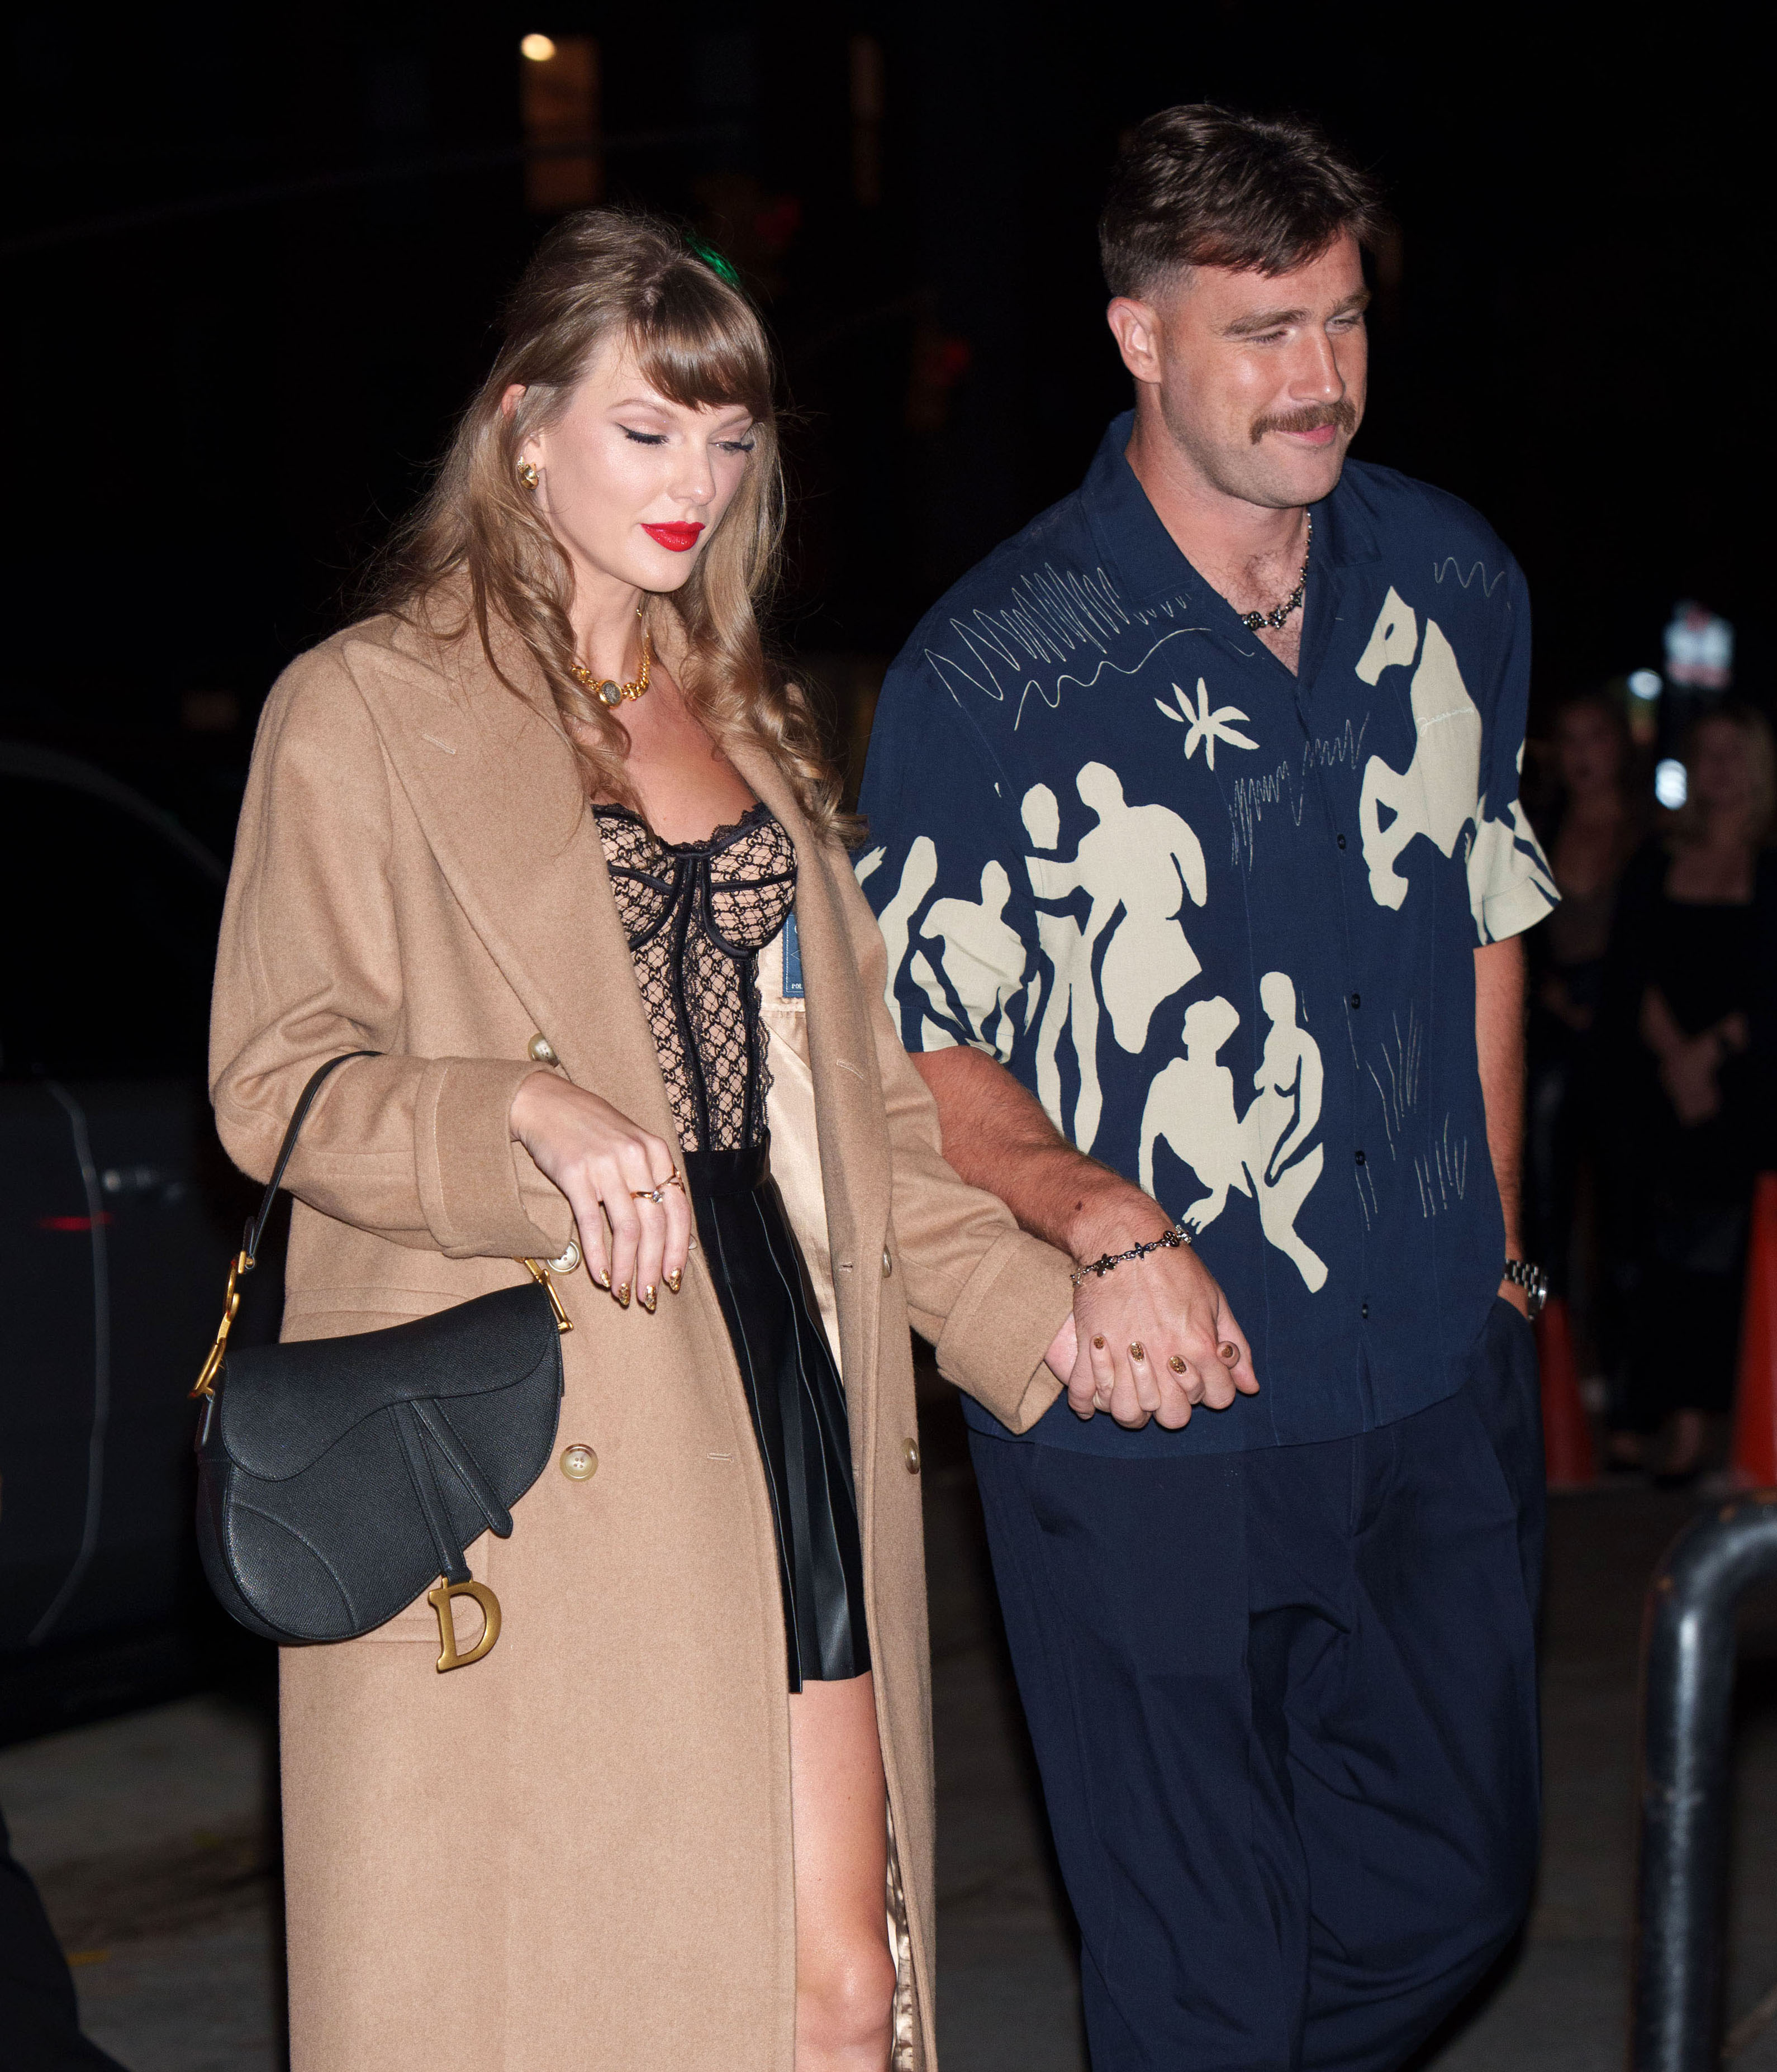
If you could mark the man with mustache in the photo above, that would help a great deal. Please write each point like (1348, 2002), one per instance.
(1270, 1570)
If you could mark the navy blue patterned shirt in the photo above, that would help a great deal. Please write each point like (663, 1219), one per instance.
(1220, 920)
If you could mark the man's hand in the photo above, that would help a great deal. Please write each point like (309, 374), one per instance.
(1156, 1338)
(998, 1136)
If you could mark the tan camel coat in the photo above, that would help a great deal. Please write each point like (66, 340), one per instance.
(576, 1852)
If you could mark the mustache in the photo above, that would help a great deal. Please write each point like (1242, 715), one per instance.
(1309, 418)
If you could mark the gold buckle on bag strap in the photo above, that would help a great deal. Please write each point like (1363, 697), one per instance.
(241, 1265)
(539, 1271)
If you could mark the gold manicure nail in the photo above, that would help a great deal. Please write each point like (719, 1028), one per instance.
(676, 1281)
(649, 1298)
(622, 1293)
(604, 1279)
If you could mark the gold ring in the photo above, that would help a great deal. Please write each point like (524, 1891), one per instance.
(657, 1195)
(1137, 1351)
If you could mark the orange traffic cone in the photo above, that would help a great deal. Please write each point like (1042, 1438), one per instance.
(1567, 1431)
(1755, 1462)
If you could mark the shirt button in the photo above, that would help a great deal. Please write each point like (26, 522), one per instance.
(1360, 1159)
(1342, 841)
(1357, 1000)
(913, 1457)
(1364, 1309)
(888, 1264)
(539, 1050)
(579, 1464)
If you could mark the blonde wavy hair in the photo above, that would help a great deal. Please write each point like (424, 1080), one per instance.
(477, 550)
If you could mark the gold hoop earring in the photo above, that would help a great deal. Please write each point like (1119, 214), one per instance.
(527, 474)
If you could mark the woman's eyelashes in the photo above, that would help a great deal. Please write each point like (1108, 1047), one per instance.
(741, 445)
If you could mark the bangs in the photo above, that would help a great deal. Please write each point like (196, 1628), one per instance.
(701, 345)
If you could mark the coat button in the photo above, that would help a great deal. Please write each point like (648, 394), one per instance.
(579, 1464)
(913, 1457)
(888, 1264)
(541, 1051)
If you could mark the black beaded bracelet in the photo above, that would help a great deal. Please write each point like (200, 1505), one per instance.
(1174, 1237)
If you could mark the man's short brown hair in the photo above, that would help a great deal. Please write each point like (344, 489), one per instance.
(1203, 186)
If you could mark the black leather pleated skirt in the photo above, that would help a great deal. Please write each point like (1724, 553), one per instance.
(798, 1406)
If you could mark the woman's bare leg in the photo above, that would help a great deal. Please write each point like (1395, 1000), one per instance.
(845, 1976)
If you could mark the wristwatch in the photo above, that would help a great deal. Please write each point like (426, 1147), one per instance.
(1532, 1279)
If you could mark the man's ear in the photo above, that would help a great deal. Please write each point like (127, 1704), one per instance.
(1136, 326)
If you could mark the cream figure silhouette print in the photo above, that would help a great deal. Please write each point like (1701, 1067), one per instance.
(1264, 1153)
(1137, 867)
(982, 956)
(1438, 794)
(983, 959)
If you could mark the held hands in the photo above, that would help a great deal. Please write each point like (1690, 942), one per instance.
(1154, 1338)
(602, 1163)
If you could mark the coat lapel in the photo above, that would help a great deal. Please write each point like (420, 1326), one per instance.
(497, 788)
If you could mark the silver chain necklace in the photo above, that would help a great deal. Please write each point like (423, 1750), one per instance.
(1255, 622)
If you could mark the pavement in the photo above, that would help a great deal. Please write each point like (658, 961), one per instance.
(153, 1837)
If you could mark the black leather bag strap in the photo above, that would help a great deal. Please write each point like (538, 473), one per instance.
(244, 1261)
(256, 1226)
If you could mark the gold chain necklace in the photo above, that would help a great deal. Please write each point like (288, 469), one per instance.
(605, 688)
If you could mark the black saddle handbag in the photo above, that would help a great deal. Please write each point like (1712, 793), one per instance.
(338, 1477)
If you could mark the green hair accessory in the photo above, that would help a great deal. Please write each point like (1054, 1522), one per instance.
(714, 260)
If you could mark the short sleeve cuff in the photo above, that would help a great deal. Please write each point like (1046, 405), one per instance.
(1518, 907)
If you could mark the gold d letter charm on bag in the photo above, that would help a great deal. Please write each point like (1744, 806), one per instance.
(440, 1601)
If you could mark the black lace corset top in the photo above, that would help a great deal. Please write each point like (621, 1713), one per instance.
(696, 916)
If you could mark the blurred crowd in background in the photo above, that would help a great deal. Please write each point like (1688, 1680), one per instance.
(1649, 1094)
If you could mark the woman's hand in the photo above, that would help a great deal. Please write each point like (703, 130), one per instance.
(602, 1161)
(1686, 1071)
(1063, 1350)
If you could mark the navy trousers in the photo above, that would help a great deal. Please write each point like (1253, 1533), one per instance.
(1284, 1704)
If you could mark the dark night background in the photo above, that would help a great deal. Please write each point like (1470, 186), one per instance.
(255, 258)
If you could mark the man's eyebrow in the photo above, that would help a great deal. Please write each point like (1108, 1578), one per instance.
(1260, 320)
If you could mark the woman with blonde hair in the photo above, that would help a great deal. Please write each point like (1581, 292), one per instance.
(534, 834)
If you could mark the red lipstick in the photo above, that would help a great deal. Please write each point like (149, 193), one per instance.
(678, 539)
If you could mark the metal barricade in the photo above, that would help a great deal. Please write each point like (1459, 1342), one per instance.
(1687, 1681)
